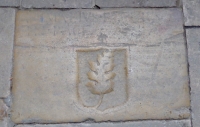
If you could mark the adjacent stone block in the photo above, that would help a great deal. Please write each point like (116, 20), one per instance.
(105, 65)
(193, 41)
(58, 3)
(174, 123)
(191, 10)
(136, 3)
(7, 23)
(10, 3)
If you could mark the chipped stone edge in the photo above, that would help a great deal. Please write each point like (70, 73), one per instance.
(4, 113)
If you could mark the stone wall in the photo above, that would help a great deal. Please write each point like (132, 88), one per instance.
(96, 63)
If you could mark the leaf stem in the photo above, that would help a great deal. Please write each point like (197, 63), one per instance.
(100, 101)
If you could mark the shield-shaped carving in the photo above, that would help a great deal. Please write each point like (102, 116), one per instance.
(102, 78)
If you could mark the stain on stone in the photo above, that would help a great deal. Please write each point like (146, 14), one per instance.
(41, 19)
(102, 38)
(199, 46)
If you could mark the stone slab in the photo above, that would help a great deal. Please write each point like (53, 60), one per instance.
(7, 24)
(191, 10)
(135, 3)
(174, 123)
(9, 3)
(58, 3)
(104, 65)
(193, 41)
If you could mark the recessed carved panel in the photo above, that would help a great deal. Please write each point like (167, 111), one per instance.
(102, 78)
(104, 65)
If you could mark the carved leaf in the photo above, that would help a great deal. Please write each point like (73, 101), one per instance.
(93, 66)
(101, 74)
(92, 76)
(110, 76)
(109, 67)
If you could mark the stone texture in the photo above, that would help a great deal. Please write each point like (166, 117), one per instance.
(179, 3)
(10, 3)
(174, 123)
(193, 41)
(58, 3)
(105, 65)
(191, 10)
(136, 3)
(7, 21)
(3, 123)
(3, 114)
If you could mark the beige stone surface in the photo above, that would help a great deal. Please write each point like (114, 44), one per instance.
(7, 23)
(105, 65)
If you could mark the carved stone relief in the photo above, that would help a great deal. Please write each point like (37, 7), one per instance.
(102, 78)
(104, 65)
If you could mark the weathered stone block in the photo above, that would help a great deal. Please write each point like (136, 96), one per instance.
(174, 123)
(7, 23)
(109, 64)
(191, 10)
(136, 3)
(58, 3)
(193, 41)
(10, 3)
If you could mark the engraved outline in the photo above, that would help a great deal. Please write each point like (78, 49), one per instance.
(91, 108)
